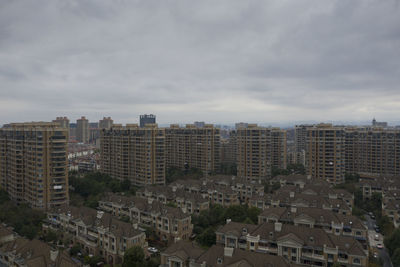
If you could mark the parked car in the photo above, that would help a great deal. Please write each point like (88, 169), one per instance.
(380, 246)
(376, 237)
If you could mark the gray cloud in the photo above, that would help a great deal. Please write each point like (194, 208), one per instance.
(224, 61)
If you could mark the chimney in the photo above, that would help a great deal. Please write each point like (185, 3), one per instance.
(291, 194)
(228, 252)
(278, 227)
(53, 254)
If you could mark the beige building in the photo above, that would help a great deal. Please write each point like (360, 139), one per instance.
(169, 223)
(297, 244)
(133, 153)
(105, 123)
(193, 147)
(325, 157)
(258, 150)
(253, 157)
(229, 149)
(34, 164)
(372, 150)
(278, 148)
(97, 232)
(82, 130)
(63, 121)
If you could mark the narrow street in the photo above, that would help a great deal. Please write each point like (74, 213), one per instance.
(383, 253)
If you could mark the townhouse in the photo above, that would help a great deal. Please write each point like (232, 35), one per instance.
(97, 232)
(187, 254)
(296, 244)
(169, 223)
(331, 222)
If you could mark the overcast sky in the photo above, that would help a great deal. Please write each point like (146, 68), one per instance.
(214, 61)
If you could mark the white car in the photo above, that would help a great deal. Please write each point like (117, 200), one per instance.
(376, 238)
(152, 249)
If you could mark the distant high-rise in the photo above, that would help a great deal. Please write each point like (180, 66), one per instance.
(241, 125)
(147, 119)
(373, 150)
(193, 147)
(325, 158)
(379, 123)
(253, 146)
(228, 148)
(199, 124)
(82, 130)
(133, 153)
(278, 148)
(259, 149)
(105, 123)
(62, 121)
(300, 142)
(34, 163)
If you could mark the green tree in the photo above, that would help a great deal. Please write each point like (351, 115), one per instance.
(93, 261)
(392, 242)
(207, 238)
(396, 257)
(134, 257)
(75, 250)
(386, 225)
(51, 236)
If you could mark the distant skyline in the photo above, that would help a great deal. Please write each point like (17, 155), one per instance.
(268, 62)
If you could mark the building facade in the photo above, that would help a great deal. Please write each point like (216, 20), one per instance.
(325, 157)
(63, 121)
(147, 119)
(105, 123)
(34, 163)
(193, 147)
(278, 148)
(82, 130)
(373, 150)
(133, 153)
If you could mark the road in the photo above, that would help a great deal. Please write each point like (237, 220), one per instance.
(383, 253)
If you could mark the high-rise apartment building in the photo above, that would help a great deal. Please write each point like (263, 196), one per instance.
(300, 142)
(147, 119)
(325, 158)
(82, 130)
(253, 151)
(278, 148)
(373, 150)
(229, 148)
(63, 121)
(106, 123)
(133, 153)
(34, 163)
(193, 147)
(259, 149)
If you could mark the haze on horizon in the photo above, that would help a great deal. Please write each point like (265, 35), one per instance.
(220, 62)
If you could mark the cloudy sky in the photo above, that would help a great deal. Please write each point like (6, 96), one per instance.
(215, 61)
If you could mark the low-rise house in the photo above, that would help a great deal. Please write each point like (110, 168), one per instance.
(331, 222)
(187, 254)
(33, 253)
(232, 257)
(170, 223)
(97, 232)
(297, 244)
(180, 254)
